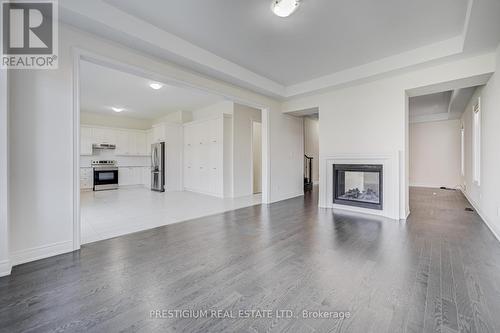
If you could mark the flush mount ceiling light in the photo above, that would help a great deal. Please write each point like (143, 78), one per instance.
(117, 109)
(284, 8)
(156, 85)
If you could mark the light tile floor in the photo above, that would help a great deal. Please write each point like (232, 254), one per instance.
(109, 214)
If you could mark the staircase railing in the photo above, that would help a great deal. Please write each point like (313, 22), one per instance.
(308, 181)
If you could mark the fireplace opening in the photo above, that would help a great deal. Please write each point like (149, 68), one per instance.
(358, 185)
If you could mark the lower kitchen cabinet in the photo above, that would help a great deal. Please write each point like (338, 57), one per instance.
(134, 176)
(86, 178)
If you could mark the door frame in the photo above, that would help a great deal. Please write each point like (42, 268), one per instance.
(80, 54)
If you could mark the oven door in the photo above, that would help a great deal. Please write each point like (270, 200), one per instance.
(105, 179)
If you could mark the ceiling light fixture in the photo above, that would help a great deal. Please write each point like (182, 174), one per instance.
(116, 109)
(156, 85)
(284, 8)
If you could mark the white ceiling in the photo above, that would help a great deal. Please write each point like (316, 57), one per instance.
(440, 106)
(322, 36)
(324, 43)
(103, 88)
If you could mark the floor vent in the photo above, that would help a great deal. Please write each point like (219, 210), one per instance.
(469, 209)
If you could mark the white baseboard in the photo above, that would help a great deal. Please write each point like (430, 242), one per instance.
(5, 268)
(286, 197)
(40, 252)
(476, 207)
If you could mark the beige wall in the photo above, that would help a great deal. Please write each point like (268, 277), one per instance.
(435, 154)
(257, 157)
(243, 117)
(311, 144)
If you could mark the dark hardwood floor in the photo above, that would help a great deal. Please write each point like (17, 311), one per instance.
(437, 272)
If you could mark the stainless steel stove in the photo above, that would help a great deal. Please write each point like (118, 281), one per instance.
(105, 175)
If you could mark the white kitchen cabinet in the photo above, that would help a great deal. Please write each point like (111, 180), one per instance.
(86, 178)
(146, 176)
(131, 142)
(204, 156)
(140, 143)
(130, 176)
(104, 135)
(122, 142)
(86, 140)
(149, 141)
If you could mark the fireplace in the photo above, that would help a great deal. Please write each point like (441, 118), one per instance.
(358, 185)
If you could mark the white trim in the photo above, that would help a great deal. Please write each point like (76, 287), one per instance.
(390, 187)
(4, 174)
(76, 151)
(79, 54)
(480, 213)
(379, 67)
(5, 268)
(41, 252)
(286, 197)
(429, 186)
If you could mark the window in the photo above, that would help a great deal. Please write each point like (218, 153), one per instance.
(462, 151)
(476, 143)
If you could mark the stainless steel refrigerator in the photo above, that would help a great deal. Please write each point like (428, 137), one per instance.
(158, 167)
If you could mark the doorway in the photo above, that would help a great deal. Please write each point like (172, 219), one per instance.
(204, 119)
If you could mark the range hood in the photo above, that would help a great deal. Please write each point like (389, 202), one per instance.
(103, 146)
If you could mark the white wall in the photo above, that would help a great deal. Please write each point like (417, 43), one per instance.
(435, 153)
(93, 118)
(369, 118)
(4, 175)
(311, 144)
(41, 123)
(243, 116)
(214, 110)
(485, 197)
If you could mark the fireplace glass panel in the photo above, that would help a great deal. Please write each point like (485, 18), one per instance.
(361, 186)
(358, 185)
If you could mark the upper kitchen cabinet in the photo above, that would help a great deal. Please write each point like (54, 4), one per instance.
(86, 140)
(104, 135)
(129, 142)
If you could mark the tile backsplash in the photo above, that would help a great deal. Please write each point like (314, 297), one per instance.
(122, 161)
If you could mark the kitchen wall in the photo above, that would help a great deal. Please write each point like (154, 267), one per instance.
(485, 196)
(122, 161)
(41, 132)
(370, 117)
(178, 117)
(118, 121)
(435, 154)
(213, 110)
